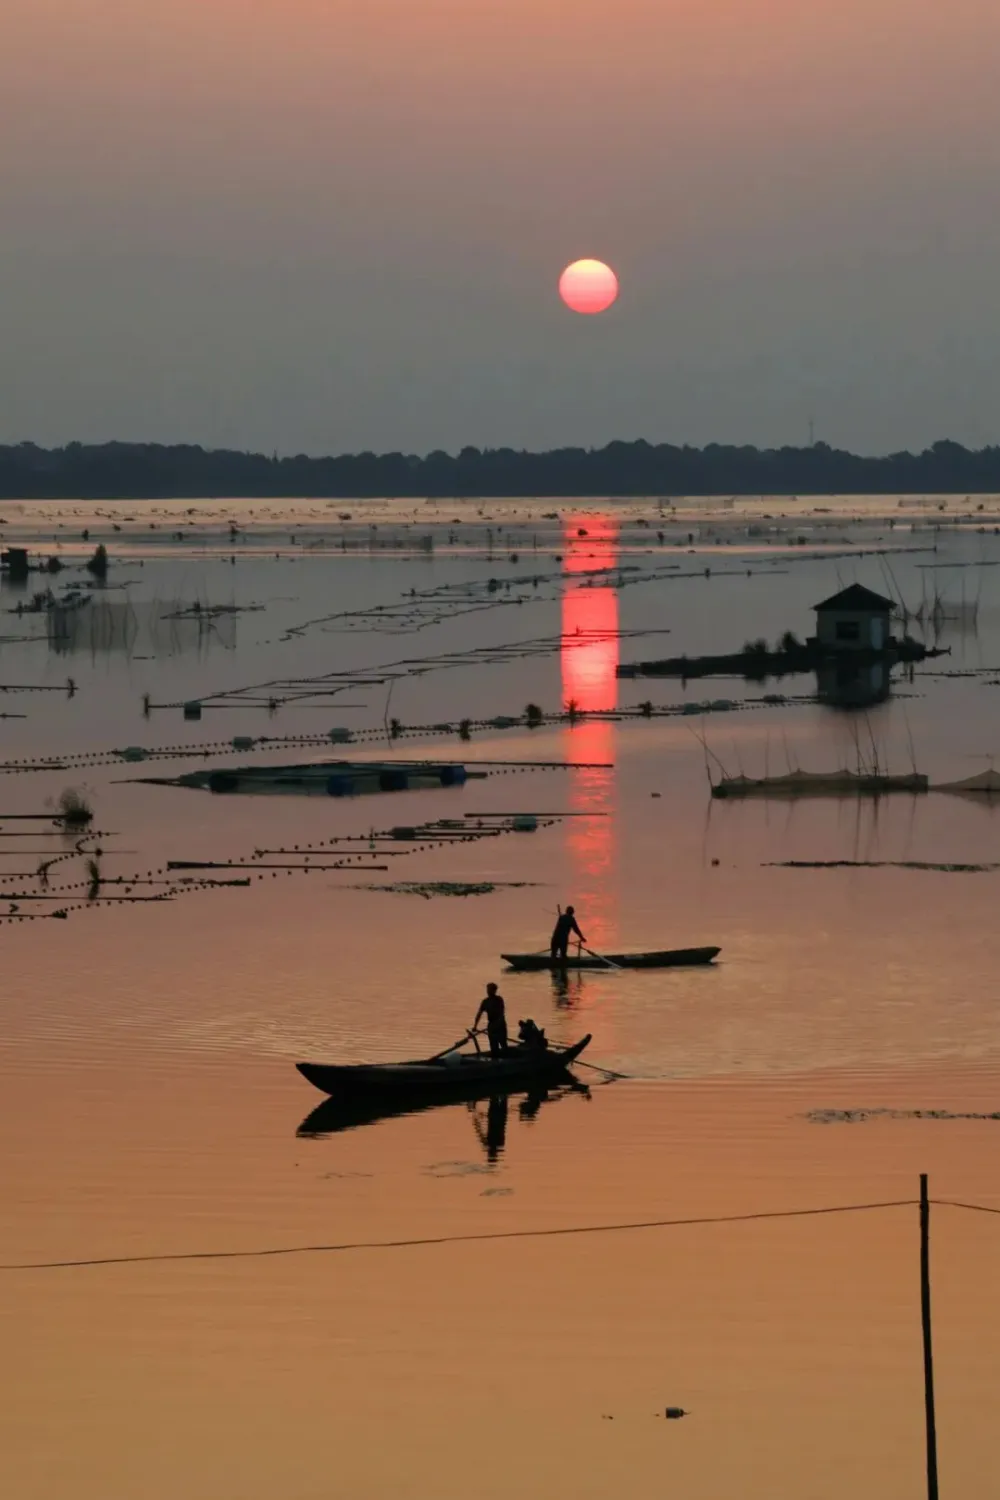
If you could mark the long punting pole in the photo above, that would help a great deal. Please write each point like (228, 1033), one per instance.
(925, 1314)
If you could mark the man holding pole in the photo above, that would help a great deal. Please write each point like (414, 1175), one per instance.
(561, 933)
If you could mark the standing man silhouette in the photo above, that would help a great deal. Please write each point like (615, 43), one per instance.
(561, 933)
(496, 1020)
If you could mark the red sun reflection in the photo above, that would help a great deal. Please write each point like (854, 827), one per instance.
(589, 679)
(590, 621)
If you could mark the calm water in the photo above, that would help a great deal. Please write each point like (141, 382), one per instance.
(150, 1109)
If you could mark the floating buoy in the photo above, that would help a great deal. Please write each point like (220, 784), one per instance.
(453, 775)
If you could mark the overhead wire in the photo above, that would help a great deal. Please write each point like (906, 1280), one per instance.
(457, 1239)
(978, 1208)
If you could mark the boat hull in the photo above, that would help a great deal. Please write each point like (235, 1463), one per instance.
(443, 1077)
(668, 958)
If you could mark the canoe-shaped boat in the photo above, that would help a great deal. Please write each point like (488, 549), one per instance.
(667, 958)
(452, 1073)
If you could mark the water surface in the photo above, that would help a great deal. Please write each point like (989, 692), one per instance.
(150, 1110)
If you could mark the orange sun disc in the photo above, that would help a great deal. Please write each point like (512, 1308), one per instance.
(588, 286)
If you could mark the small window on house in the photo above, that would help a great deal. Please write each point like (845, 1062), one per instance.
(847, 630)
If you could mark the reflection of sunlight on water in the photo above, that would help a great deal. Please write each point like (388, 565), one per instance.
(590, 841)
(589, 679)
(589, 665)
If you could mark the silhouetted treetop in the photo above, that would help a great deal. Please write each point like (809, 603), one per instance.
(184, 471)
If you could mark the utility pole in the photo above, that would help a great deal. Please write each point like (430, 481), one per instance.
(925, 1315)
(812, 433)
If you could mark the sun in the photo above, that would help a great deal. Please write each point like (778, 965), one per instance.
(588, 286)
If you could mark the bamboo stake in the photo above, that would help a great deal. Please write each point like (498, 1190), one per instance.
(925, 1316)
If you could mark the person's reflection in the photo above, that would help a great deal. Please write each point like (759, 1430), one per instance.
(493, 1135)
(492, 1131)
(529, 1106)
(567, 988)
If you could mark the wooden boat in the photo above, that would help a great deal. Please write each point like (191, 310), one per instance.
(667, 958)
(451, 1073)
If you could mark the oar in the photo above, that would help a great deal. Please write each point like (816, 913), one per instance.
(455, 1046)
(578, 1062)
(601, 957)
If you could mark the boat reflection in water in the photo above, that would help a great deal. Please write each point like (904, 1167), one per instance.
(334, 1116)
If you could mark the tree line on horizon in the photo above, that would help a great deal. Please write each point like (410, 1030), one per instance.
(152, 471)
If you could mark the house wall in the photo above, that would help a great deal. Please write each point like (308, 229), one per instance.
(852, 630)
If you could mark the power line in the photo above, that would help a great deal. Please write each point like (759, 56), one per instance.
(454, 1239)
(978, 1208)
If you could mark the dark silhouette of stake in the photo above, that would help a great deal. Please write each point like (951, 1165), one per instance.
(925, 1313)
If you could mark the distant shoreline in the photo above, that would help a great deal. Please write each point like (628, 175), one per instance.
(147, 471)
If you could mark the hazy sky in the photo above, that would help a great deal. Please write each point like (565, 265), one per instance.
(322, 225)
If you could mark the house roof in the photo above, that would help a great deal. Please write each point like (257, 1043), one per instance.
(856, 598)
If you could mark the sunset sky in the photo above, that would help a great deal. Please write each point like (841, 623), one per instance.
(323, 225)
